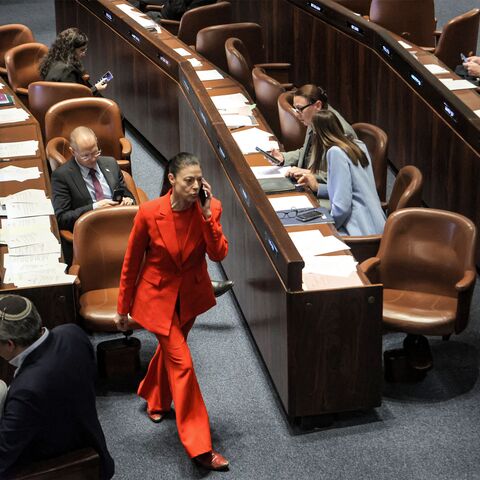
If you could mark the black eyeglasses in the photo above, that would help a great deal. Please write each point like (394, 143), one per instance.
(292, 213)
(301, 109)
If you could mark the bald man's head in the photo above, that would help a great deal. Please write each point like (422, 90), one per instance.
(84, 147)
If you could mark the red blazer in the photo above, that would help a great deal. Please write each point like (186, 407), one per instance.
(149, 292)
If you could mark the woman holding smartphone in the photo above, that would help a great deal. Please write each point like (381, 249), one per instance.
(355, 205)
(63, 62)
(164, 285)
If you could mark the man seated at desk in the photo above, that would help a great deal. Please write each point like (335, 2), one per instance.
(308, 100)
(172, 9)
(50, 406)
(87, 181)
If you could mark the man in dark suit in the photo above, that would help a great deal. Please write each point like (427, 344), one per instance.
(172, 9)
(50, 406)
(87, 181)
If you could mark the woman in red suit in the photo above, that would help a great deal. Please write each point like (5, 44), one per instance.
(168, 290)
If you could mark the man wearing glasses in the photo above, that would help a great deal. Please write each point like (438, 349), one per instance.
(87, 182)
(308, 100)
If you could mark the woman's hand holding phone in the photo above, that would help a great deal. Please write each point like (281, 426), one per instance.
(205, 198)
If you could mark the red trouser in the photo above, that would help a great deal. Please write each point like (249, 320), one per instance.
(171, 374)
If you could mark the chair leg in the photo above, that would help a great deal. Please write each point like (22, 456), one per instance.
(418, 352)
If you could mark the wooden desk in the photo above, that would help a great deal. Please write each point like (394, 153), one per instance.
(371, 78)
(321, 348)
(55, 303)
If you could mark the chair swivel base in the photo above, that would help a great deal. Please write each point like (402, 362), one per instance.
(397, 368)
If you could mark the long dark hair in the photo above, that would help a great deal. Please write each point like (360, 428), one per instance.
(329, 133)
(179, 161)
(63, 50)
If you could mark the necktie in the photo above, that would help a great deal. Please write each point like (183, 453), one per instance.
(304, 160)
(96, 185)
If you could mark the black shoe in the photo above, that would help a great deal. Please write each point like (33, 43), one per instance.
(418, 352)
(221, 287)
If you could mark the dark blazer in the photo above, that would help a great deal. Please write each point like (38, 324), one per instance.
(50, 406)
(70, 194)
(62, 72)
(174, 9)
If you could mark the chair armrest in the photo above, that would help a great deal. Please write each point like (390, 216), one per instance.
(437, 34)
(288, 86)
(274, 66)
(171, 25)
(369, 265)
(279, 71)
(142, 196)
(74, 269)
(125, 165)
(126, 148)
(68, 465)
(152, 8)
(67, 235)
(21, 91)
(466, 282)
(56, 151)
(428, 49)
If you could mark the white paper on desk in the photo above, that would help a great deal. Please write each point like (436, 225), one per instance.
(26, 223)
(196, 63)
(30, 195)
(313, 281)
(335, 265)
(139, 17)
(249, 139)
(12, 115)
(33, 262)
(27, 148)
(270, 171)
(18, 210)
(206, 75)
(43, 277)
(229, 103)
(31, 238)
(477, 113)
(312, 242)
(37, 249)
(435, 69)
(18, 174)
(453, 84)
(236, 121)
(290, 201)
(182, 52)
(404, 44)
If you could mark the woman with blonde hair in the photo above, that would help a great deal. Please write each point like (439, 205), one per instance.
(355, 205)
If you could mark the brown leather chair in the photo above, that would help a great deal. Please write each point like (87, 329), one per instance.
(100, 240)
(292, 129)
(211, 45)
(81, 464)
(412, 19)
(358, 6)
(42, 95)
(194, 20)
(426, 264)
(376, 141)
(239, 64)
(459, 35)
(22, 63)
(10, 36)
(100, 114)
(267, 90)
(406, 193)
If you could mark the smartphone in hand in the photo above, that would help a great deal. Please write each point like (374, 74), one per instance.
(118, 195)
(271, 158)
(106, 77)
(202, 195)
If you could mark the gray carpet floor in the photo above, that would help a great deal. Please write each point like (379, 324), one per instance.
(426, 430)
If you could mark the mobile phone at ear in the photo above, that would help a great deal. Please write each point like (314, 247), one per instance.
(106, 77)
(118, 195)
(202, 195)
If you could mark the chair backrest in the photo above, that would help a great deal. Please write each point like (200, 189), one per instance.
(42, 95)
(412, 19)
(100, 239)
(10, 36)
(376, 141)
(239, 63)
(22, 63)
(201, 17)
(292, 129)
(407, 189)
(426, 250)
(267, 91)
(210, 42)
(459, 35)
(358, 6)
(100, 114)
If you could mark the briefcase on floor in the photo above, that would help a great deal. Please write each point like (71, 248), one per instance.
(118, 357)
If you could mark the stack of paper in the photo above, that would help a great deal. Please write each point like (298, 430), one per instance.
(18, 174)
(404, 44)
(311, 242)
(28, 203)
(233, 104)
(12, 115)
(139, 17)
(26, 148)
(207, 75)
(248, 140)
(270, 172)
(335, 265)
(290, 201)
(196, 63)
(435, 69)
(236, 121)
(453, 84)
(182, 52)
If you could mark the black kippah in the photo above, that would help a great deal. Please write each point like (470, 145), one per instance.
(14, 307)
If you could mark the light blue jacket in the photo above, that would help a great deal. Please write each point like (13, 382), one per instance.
(355, 205)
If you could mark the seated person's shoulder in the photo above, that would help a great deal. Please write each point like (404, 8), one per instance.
(58, 71)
